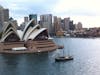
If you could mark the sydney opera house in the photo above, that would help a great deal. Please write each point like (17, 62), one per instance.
(32, 39)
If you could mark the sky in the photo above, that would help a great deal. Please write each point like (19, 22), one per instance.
(85, 11)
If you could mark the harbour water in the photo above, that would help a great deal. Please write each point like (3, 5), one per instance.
(86, 53)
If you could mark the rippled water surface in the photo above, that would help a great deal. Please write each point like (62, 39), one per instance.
(86, 53)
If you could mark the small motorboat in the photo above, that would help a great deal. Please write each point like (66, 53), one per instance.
(63, 58)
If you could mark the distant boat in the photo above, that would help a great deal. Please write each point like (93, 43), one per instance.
(67, 35)
(50, 38)
(63, 58)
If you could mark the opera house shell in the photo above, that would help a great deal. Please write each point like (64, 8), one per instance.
(10, 33)
(33, 36)
(33, 32)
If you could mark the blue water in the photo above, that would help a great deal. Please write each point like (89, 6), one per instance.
(86, 53)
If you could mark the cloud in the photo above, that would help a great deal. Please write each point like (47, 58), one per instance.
(86, 11)
(28, 6)
(75, 6)
(87, 21)
(21, 8)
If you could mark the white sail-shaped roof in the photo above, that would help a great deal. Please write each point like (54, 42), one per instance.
(30, 31)
(9, 29)
(3, 39)
(35, 33)
(28, 27)
(8, 25)
(20, 33)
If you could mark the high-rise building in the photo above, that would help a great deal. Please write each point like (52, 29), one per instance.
(26, 19)
(55, 24)
(23, 24)
(59, 24)
(66, 23)
(79, 26)
(4, 16)
(62, 24)
(33, 16)
(46, 22)
(71, 26)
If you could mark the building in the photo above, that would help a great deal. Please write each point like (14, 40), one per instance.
(33, 16)
(66, 23)
(10, 32)
(33, 39)
(46, 22)
(26, 19)
(30, 31)
(62, 24)
(22, 25)
(55, 24)
(4, 16)
(79, 26)
(71, 26)
(59, 24)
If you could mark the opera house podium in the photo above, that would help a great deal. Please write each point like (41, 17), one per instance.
(32, 39)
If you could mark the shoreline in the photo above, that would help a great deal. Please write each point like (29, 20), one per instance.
(24, 52)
